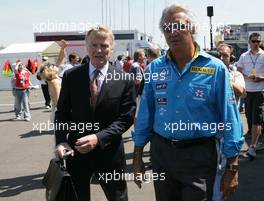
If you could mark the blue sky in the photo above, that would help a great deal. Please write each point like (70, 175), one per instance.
(19, 19)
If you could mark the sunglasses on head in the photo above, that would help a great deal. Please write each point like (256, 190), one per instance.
(255, 41)
(176, 26)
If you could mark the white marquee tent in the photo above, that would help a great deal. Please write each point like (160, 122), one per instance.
(23, 52)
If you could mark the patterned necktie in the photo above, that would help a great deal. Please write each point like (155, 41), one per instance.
(94, 88)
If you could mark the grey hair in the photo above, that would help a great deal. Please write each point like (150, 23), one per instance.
(177, 9)
(101, 31)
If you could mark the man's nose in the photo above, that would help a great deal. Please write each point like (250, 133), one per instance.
(99, 49)
(175, 32)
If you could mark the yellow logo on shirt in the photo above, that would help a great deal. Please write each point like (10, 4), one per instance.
(231, 85)
(202, 70)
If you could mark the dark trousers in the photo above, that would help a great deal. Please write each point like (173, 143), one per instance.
(254, 108)
(189, 170)
(242, 103)
(45, 91)
(81, 173)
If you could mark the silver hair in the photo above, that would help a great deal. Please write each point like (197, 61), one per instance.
(101, 31)
(177, 9)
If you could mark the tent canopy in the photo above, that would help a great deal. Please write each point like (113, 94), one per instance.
(38, 47)
(23, 52)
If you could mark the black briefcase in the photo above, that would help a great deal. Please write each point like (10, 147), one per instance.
(58, 182)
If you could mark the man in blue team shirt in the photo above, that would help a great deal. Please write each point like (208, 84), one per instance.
(186, 103)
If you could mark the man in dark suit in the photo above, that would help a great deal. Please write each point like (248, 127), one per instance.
(93, 112)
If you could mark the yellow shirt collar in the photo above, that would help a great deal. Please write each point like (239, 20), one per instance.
(196, 53)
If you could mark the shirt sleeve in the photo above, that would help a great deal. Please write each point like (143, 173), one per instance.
(145, 118)
(229, 115)
(63, 113)
(240, 62)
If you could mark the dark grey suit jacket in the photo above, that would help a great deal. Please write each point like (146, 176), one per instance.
(113, 114)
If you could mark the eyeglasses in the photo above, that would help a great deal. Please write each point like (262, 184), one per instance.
(255, 41)
(175, 26)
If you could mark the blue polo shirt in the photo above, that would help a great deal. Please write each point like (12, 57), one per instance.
(193, 103)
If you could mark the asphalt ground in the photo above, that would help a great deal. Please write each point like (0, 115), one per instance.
(25, 154)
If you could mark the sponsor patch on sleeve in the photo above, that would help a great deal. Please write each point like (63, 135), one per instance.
(202, 70)
(160, 86)
(162, 101)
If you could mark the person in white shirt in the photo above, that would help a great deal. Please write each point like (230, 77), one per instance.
(251, 65)
(74, 59)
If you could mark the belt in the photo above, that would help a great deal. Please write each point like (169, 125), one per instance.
(186, 143)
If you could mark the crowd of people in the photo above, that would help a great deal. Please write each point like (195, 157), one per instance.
(190, 87)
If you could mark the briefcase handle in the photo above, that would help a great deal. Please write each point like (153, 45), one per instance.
(66, 154)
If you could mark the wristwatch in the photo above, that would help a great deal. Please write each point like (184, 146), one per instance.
(233, 168)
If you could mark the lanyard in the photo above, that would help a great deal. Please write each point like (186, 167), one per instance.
(254, 62)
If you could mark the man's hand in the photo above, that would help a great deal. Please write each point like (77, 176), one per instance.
(138, 166)
(252, 77)
(61, 148)
(86, 143)
(258, 79)
(229, 183)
